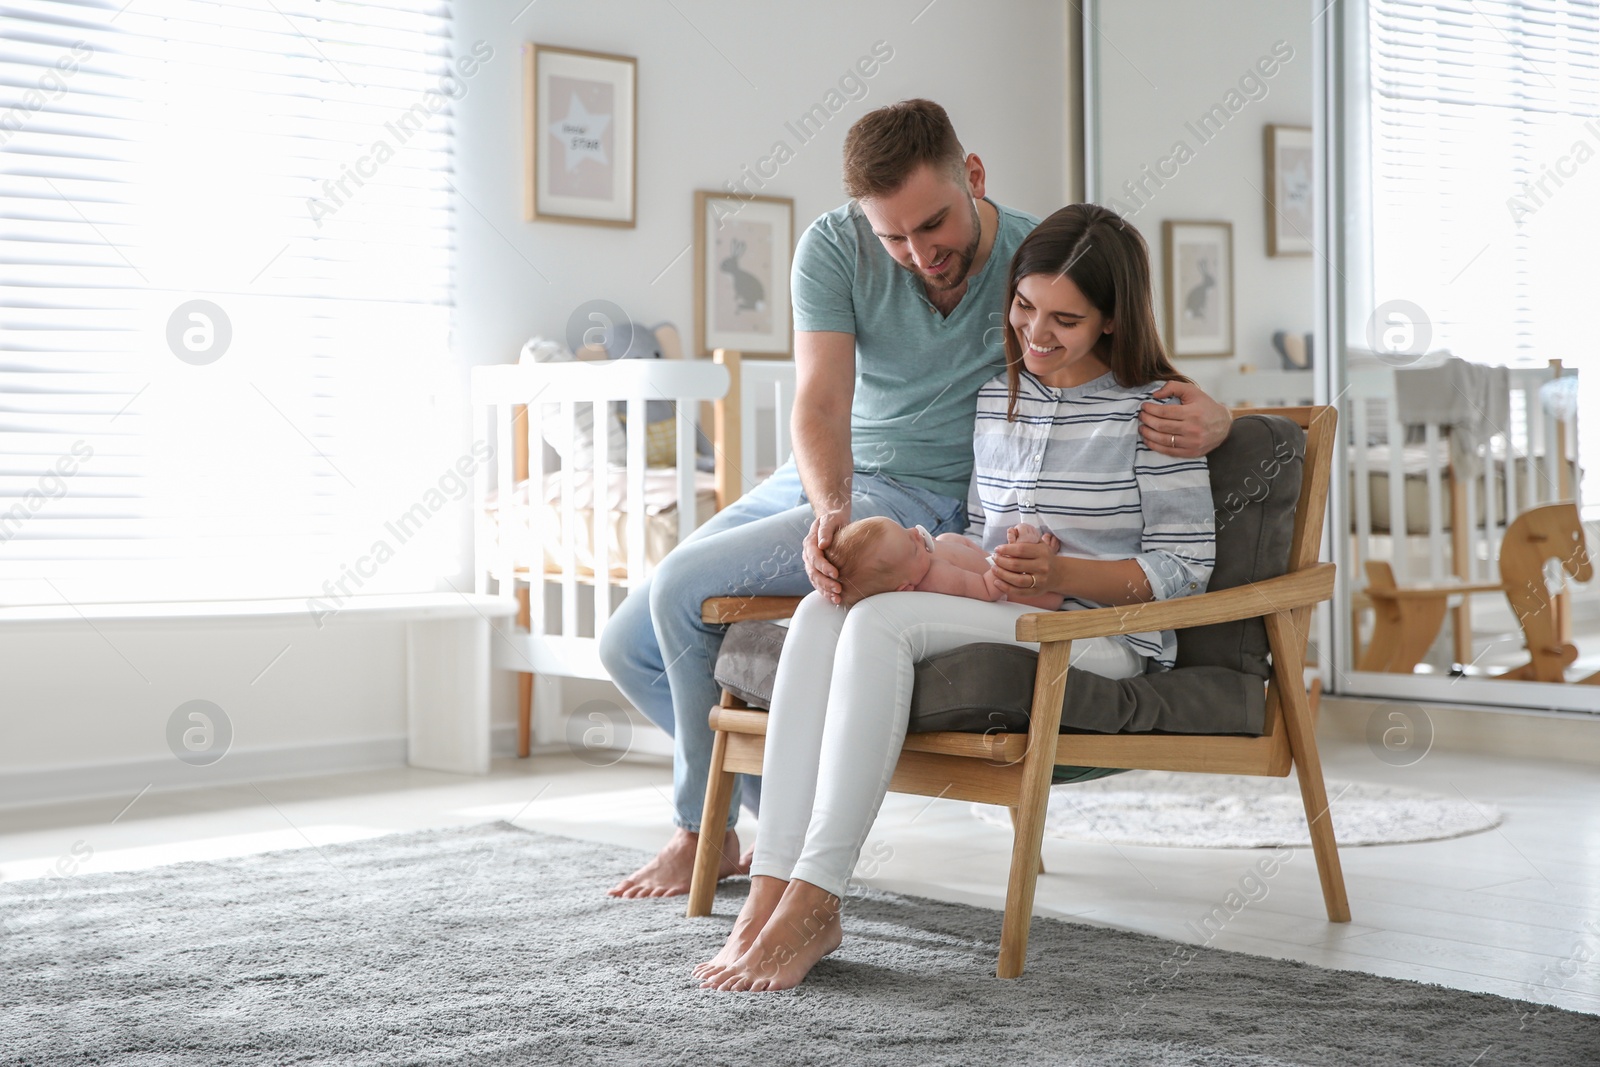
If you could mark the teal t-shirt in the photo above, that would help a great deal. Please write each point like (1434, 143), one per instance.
(917, 372)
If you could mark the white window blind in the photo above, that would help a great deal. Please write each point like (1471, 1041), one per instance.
(287, 162)
(1485, 152)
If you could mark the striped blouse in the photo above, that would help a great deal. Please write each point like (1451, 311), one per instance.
(1074, 462)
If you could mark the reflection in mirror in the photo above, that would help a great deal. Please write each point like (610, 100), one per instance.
(1469, 291)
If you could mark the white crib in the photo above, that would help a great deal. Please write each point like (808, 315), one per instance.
(568, 544)
(1431, 523)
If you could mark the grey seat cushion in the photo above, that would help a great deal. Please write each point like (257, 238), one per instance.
(982, 687)
(1216, 687)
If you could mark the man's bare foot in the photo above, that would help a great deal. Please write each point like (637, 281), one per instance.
(765, 893)
(672, 869)
(804, 928)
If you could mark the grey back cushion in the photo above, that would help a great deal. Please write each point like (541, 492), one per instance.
(1216, 687)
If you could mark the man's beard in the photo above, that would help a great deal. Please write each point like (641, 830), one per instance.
(956, 275)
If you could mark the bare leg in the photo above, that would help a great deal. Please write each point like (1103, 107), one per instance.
(765, 893)
(804, 928)
(672, 869)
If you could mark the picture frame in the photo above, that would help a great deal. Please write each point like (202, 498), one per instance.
(1197, 262)
(581, 136)
(1291, 211)
(743, 249)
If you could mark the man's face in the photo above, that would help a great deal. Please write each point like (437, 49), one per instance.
(929, 225)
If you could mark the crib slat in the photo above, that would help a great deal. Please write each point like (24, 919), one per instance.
(1435, 503)
(1362, 487)
(1491, 506)
(1470, 571)
(569, 512)
(602, 519)
(749, 448)
(1398, 554)
(635, 499)
(1538, 468)
(780, 417)
(1513, 503)
(533, 519)
(688, 504)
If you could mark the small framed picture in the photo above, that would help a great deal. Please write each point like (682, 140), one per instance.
(581, 135)
(1291, 216)
(1199, 287)
(743, 247)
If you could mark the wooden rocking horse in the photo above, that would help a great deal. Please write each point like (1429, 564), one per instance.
(1409, 617)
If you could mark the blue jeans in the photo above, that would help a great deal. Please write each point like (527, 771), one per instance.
(661, 655)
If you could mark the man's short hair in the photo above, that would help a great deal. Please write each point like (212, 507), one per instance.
(886, 145)
(861, 572)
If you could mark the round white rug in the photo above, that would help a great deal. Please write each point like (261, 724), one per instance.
(1239, 811)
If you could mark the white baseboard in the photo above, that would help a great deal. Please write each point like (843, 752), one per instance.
(1572, 737)
(648, 744)
(128, 778)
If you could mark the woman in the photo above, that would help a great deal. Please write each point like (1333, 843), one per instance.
(1056, 445)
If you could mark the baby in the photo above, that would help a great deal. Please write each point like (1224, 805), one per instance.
(878, 555)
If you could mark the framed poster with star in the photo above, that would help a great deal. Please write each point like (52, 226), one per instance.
(582, 138)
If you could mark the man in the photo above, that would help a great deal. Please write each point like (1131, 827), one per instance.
(897, 306)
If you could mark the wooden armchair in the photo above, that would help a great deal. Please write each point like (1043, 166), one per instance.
(1015, 769)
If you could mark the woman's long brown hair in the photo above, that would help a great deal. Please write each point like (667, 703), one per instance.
(1107, 260)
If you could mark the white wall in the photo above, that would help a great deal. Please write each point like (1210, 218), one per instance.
(717, 83)
(1162, 64)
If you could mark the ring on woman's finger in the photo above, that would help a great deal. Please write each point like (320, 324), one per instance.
(1172, 440)
(1033, 581)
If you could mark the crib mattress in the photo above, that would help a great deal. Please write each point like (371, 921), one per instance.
(1414, 462)
(539, 543)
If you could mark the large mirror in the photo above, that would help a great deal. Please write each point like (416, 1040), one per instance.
(1462, 291)
(1398, 184)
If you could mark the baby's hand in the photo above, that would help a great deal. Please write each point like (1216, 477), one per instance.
(1028, 534)
(997, 589)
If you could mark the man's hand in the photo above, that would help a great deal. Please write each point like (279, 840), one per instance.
(824, 575)
(1185, 430)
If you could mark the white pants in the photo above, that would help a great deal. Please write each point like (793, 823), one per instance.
(840, 705)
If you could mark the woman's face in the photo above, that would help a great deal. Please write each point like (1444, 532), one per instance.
(1058, 328)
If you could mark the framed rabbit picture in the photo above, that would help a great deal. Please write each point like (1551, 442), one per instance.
(743, 247)
(1198, 281)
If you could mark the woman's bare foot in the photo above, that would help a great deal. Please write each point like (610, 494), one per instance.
(765, 893)
(804, 928)
(672, 869)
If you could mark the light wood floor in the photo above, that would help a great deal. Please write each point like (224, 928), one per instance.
(1514, 911)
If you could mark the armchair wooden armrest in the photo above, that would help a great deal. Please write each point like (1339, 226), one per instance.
(729, 609)
(1298, 590)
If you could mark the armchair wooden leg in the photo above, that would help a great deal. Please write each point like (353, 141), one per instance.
(1044, 726)
(708, 853)
(1014, 830)
(1286, 632)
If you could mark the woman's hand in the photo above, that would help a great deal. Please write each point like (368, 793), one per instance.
(1026, 569)
(1188, 429)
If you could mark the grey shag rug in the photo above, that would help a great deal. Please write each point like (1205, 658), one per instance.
(1164, 808)
(492, 945)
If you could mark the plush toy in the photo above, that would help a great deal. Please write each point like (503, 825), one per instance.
(622, 340)
(1294, 349)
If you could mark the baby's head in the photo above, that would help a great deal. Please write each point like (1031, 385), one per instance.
(878, 555)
